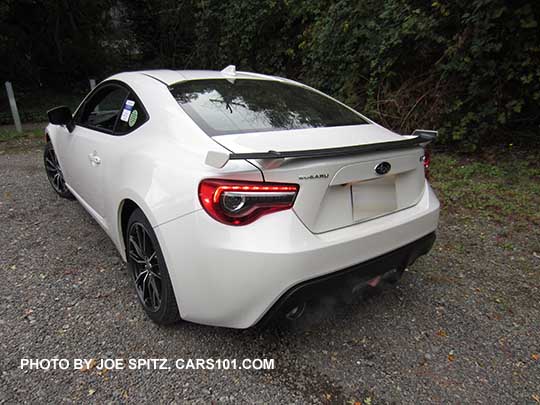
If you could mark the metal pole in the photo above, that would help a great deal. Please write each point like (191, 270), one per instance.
(92, 87)
(13, 106)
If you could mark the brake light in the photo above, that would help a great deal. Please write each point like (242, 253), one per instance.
(426, 159)
(240, 202)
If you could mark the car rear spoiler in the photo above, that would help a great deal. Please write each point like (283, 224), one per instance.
(420, 137)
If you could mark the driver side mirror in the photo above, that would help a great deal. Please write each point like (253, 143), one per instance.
(61, 116)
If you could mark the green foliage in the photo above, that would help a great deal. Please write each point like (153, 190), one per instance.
(503, 188)
(7, 134)
(470, 68)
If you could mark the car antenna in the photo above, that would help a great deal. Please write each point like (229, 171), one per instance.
(230, 73)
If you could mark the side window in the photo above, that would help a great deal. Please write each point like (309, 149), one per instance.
(104, 108)
(132, 116)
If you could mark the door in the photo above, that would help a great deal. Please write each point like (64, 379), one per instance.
(87, 144)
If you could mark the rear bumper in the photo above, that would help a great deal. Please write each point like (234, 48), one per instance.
(344, 281)
(232, 276)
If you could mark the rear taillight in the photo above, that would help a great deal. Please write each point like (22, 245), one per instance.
(426, 159)
(241, 202)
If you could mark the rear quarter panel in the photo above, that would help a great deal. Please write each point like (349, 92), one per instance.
(159, 165)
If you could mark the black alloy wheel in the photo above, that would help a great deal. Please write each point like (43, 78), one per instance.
(145, 270)
(54, 172)
(149, 271)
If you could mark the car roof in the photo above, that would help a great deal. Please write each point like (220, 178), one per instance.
(170, 77)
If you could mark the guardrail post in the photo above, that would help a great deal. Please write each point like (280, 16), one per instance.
(13, 106)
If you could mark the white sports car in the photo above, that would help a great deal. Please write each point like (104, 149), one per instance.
(236, 197)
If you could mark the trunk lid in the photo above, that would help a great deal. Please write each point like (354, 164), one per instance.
(302, 139)
(336, 192)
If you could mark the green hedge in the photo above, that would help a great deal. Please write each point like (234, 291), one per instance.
(468, 68)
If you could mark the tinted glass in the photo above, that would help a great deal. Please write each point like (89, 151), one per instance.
(220, 107)
(102, 110)
(131, 117)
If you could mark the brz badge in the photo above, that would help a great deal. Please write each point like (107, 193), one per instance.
(383, 168)
(314, 176)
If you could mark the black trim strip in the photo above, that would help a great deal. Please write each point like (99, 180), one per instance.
(332, 152)
(98, 88)
(155, 78)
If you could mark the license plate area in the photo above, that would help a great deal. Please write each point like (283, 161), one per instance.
(374, 198)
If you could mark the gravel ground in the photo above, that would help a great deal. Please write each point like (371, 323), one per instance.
(463, 326)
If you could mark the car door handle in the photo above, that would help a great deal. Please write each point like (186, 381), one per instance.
(95, 159)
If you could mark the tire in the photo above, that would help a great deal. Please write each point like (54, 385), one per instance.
(54, 173)
(149, 272)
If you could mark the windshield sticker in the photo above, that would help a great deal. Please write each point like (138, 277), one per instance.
(128, 106)
(133, 118)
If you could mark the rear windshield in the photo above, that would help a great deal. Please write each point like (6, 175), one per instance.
(221, 107)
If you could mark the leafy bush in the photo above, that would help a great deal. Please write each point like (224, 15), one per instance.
(468, 68)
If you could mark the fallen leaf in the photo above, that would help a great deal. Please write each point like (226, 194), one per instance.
(367, 401)
(442, 333)
(536, 398)
(91, 392)
(103, 372)
(451, 357)
(91, 364)
(535, 356)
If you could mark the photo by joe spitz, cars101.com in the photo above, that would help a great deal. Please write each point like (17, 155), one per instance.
(236, 197)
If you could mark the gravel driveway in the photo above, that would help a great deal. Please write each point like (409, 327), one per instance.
(462, 327)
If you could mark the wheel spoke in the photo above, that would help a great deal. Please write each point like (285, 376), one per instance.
(54, 172)
(154, 293)
(50, 164)
(133, 255)
(63, 187)
(60, 182)
(140, 240)
(151, 293)
(56, 180)
(144, 242)
(141, 274)
(137, 247)
(145, 290)
(143, 258)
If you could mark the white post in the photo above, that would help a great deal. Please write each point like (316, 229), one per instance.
(13, 106)
(92, 86)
